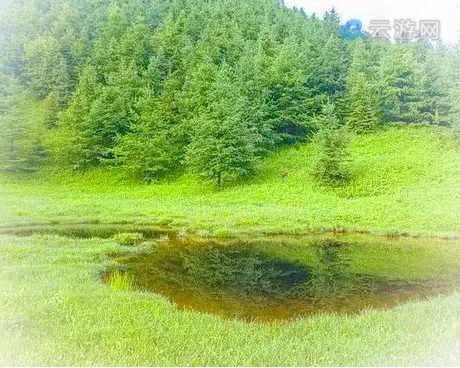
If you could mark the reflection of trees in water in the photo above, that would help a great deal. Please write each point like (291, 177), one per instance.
(263, 281)
(246, 271)
(331, 277)
(233, 269)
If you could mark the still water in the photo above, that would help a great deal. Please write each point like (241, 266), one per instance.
(280, 279)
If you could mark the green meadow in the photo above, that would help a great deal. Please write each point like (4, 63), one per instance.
(55, 310)
(404, 180)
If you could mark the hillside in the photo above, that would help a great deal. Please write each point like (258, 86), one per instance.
(210, 88)
(404, 180)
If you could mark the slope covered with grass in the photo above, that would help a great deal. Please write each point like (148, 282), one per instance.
(403, 180)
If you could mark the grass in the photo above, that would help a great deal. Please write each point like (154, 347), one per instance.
(120, 281)
(404, 180)
(128, 238)
(54, 310)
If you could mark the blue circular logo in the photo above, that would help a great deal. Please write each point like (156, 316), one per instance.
(352, 29)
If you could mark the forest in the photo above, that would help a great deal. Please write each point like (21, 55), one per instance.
(158, 88)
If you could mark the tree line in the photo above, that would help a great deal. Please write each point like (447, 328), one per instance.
(162, 87)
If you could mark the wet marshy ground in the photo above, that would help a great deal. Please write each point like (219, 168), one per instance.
(273, 278)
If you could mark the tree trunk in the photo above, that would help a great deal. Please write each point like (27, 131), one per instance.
(219, 181)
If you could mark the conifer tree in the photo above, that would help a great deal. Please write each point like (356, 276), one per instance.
(47, 69)
(222, 147)
(106, 103)
(434, 104)
(159, 87)
(332, 139)
(400, 85)
(363, 104)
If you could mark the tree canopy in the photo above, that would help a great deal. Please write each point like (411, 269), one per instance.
(209, 87)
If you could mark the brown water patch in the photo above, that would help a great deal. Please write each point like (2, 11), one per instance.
(270, 279)
(266, 281)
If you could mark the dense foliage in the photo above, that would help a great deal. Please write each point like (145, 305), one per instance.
(162, 87)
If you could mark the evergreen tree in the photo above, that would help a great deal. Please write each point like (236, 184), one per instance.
(22, 129)
(106, 104)
(332, 139)
(47, 69)
(332, 17)
(155, 144)
(222, 147)
(329, 76)
(287, 109)
(159, 87)
(434, 104)
(363, 105)
(400, 85)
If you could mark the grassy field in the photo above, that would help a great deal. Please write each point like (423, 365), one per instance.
(404, 180)
(54, 310)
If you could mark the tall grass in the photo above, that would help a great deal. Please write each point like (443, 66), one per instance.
(120, 280)
(54, 313)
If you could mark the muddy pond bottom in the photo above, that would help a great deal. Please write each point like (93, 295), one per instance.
(276, 280)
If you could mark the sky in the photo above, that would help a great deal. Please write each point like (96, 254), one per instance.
(446, 11)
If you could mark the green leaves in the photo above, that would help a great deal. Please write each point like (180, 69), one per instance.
(363, 113)
(222, 148)
(400, 81)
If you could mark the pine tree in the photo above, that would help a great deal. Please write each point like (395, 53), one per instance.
(332, 139)
(106, 103)
(51, 109)
(363, 106)
(161, 87)
(329, 76)
(287, 108)
(255, 110)
(400, 85)
(47, 68)
(22, 129)
(332, 17)
(434, 105)
(221, 149)
(155, 145)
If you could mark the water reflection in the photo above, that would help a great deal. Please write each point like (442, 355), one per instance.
(266, 281)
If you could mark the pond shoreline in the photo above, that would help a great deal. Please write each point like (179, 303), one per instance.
(47, 227)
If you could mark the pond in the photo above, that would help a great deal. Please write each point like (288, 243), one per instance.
(280, 279)
(273, 278)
